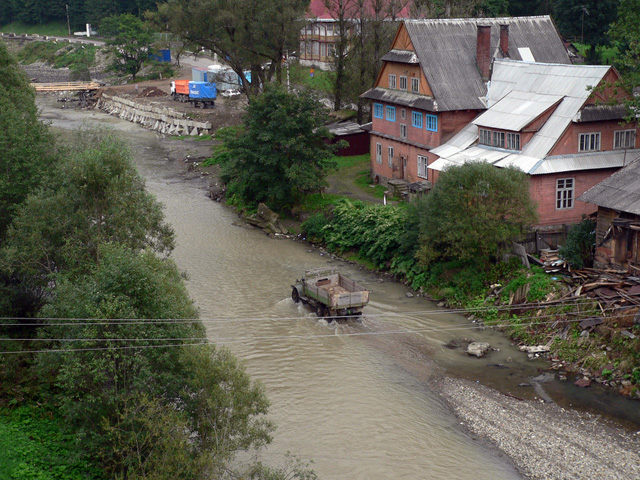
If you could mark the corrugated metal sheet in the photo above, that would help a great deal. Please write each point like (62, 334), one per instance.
(586, 161)
(594, 113)
(400, 97)
(621, 191)
(516, 110)
(444, 46)
(400, 56)
(461, 140)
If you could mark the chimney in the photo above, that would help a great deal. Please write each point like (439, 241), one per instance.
(483, 51)
(504, 40)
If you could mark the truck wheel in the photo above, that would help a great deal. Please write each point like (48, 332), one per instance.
(295, 296)
(320, 310)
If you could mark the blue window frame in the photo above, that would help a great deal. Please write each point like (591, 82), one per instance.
(391, 113)
(432, 123)
(416, 119)
(377, 110)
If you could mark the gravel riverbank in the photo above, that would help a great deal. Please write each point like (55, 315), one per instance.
(545, 441)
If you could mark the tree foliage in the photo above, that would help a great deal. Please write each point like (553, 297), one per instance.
(578, 247)
(281, 154)
(25, 144)
(129, 42)
(251, 35)
(459, 8)
(472, 212)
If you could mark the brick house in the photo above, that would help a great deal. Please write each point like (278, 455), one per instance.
(546, 120)
(618, 221)
(434, 82)
(321, 32)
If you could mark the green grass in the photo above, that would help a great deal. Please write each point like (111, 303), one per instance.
(59, 55)
(321, 81)
(317, 202)
(363, 181)
(35, 446)
(54, 29)
(348, 162)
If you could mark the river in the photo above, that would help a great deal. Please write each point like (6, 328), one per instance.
(354, 397)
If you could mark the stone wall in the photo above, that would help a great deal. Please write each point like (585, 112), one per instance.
(161, 119)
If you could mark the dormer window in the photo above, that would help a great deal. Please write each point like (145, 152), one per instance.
(403, 82)
(494, 138)
(589, 142)
(624, 139)
(513, 141)
(415, 85)
(392, 81)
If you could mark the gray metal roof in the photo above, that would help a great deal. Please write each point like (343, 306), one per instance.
(621, 191)
(594, 113)
(516, 110)
(345, 128)
(400, 56)
(447, 50)
(400, 97)
(570, 83)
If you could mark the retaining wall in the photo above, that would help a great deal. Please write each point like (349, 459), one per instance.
(161, 119)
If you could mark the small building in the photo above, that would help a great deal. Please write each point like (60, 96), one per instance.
(357, 136)
(618, 219)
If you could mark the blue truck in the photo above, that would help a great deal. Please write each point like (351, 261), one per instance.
(200, 94)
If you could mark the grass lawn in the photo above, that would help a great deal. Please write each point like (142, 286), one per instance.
(53, 29)
(321, 80)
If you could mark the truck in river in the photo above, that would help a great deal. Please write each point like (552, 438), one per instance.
(331, 293)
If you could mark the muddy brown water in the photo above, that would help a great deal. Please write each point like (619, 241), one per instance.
(356, 396)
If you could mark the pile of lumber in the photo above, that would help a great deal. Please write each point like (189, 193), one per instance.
(608, 286)
(65, 86)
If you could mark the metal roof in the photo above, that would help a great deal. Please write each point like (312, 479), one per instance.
(447, 51)
(594, 113)
(516, 110)
(621, 191)
(586, 161)
(400, 56)
(515, 81)
(401, 97)
(345, 128)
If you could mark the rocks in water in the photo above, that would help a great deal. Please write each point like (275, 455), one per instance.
(583, 382)
(267, 220)
(478, 349)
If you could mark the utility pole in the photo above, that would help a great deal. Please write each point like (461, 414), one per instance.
(68, 24)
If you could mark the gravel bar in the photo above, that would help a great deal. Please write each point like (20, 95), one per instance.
(544, 440)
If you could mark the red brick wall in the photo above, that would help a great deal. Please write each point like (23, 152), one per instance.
(568, 143)
(382, 172)
(543, 192)
(452, 122)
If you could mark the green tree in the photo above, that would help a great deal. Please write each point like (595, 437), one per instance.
(25, 143)
(129, 41)
(145, 403)
(585, 21)
(577, 248)
(280, 154)
(472, 212)
(248, 35)
(626, 33)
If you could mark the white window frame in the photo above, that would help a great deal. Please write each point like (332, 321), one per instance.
(379, 153)
(589, 142)
(484, 136)
(498, 139)
(390, 153)
(423, 163)
(403, 83)
(565, 193)
(415, 85)
(403, 114)
(403, 131)
(513, 141)
(624, 139)
(392, 81)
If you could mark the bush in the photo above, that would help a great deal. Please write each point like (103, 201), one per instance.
(312, 228)
(580, 240)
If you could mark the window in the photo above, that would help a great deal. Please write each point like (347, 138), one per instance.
(377, 110)
(378, 152)
(391, 113)
(415, 85)
(432, 123)
(416, 119)
(498, 139)
(392, 81)
(513, 141)
(589, 142)
(330, 50)
(484, 136)
(403, 131)
(564, 193)
(422, 166)
(403, 83)
(624, 139)
(323, 49)
(390, 156)
(403, 113)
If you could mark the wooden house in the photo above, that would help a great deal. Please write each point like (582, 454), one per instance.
(433, 83)
(618, 219)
